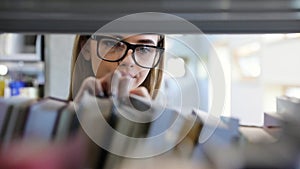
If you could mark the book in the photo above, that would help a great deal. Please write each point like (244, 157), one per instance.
(17, 119)
(92, 114)
(218, 130)
(272, 119)
(289, 106)
(67, 124)
(11, 124)
(42, 119)
(4, 116)
(190, 131)
(131, 121)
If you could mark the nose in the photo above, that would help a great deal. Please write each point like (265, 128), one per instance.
(128, 59)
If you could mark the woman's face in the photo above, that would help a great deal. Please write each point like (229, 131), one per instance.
(127, 66)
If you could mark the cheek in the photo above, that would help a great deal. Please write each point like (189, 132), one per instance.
(95, 64)
(94, 59)
(100, 67)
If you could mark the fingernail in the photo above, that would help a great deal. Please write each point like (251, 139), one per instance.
(115, 82)
(117, 74)
(101, 94)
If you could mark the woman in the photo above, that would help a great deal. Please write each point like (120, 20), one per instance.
(137, 59)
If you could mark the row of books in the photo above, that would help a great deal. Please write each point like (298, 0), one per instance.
(25, 118)
(110, 131)
(36, 134)
(280, 153)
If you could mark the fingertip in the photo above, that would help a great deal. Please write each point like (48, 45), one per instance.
(99, 88)
(141, 91)
(117, 73)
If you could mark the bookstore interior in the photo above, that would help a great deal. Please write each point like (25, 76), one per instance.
(247, 116)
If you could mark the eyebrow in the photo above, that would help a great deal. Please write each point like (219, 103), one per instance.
(117, 36)
(146, 41)
(143, 41)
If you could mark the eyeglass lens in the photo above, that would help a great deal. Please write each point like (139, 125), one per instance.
(113, 50)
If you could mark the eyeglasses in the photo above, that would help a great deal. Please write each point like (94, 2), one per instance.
(114, 50)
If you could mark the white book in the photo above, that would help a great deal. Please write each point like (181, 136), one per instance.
(272, 119)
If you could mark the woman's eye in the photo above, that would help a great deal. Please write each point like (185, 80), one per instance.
(110, 43)
(144, 50)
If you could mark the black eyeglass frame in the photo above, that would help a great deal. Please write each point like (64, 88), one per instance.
(129, 46)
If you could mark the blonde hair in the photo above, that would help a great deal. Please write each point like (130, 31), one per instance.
(82, 68)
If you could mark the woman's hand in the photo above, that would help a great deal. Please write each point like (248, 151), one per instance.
(141, 91)
(111, 84)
